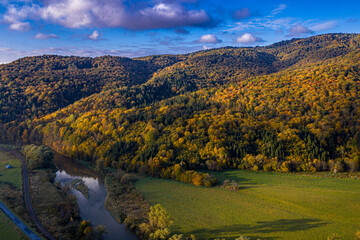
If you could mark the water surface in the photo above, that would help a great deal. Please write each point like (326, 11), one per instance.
(91, 209)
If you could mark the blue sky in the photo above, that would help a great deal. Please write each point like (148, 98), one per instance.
(146, 27)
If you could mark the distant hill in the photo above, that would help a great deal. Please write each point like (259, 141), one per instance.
(290, 106)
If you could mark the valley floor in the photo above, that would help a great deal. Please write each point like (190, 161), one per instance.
(268, 206)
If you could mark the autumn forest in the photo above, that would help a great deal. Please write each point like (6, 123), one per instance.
(293, 106)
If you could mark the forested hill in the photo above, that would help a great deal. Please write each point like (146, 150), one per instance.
(36, 86)
(290, 106)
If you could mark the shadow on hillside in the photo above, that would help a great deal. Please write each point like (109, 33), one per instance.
(277, 226)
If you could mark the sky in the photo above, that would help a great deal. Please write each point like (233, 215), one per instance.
(133, 28)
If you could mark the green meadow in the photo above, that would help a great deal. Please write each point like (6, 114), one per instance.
(9, 230)
(10, 176)
(268, 206)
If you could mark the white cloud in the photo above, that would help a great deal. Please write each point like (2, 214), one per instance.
(94, 36)
(42, 36)
(209, 38)
(16, 17)
(279, 9)
(69, 13)
(111, 13)
(248, 38)
(324, 26)
(20, 26)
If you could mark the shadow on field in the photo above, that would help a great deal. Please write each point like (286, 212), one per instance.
(281, 225)
(221, 176)
(244, 183)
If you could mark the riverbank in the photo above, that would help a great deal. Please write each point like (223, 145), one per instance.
(81, 187)
(124, 202)
(56, 209)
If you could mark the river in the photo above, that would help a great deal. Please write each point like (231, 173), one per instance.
(91, 209)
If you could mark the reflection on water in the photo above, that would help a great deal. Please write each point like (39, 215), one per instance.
(91, 209)
(72, 167)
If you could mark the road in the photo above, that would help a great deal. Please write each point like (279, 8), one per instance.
(19, 223)
(26, 193)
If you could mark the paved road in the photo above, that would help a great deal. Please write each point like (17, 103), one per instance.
(19, 223)
(26, 192)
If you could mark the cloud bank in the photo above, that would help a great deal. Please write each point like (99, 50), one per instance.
(143, 15)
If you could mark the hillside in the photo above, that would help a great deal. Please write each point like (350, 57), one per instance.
(36, 86)
(290, 106)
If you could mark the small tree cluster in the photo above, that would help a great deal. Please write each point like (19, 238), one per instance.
(231, 185)
(87, 232)
(38, 156)
(177, 172)
(158, 226)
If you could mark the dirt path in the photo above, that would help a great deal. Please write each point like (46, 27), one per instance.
(27, 197)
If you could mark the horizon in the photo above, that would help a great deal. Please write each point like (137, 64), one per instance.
(210, 49)
(90, 28)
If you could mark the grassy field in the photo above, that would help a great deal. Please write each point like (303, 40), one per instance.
(9, 230)
(269, 206)
(10, 176)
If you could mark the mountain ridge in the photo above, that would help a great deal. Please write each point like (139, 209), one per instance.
(290, 106)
